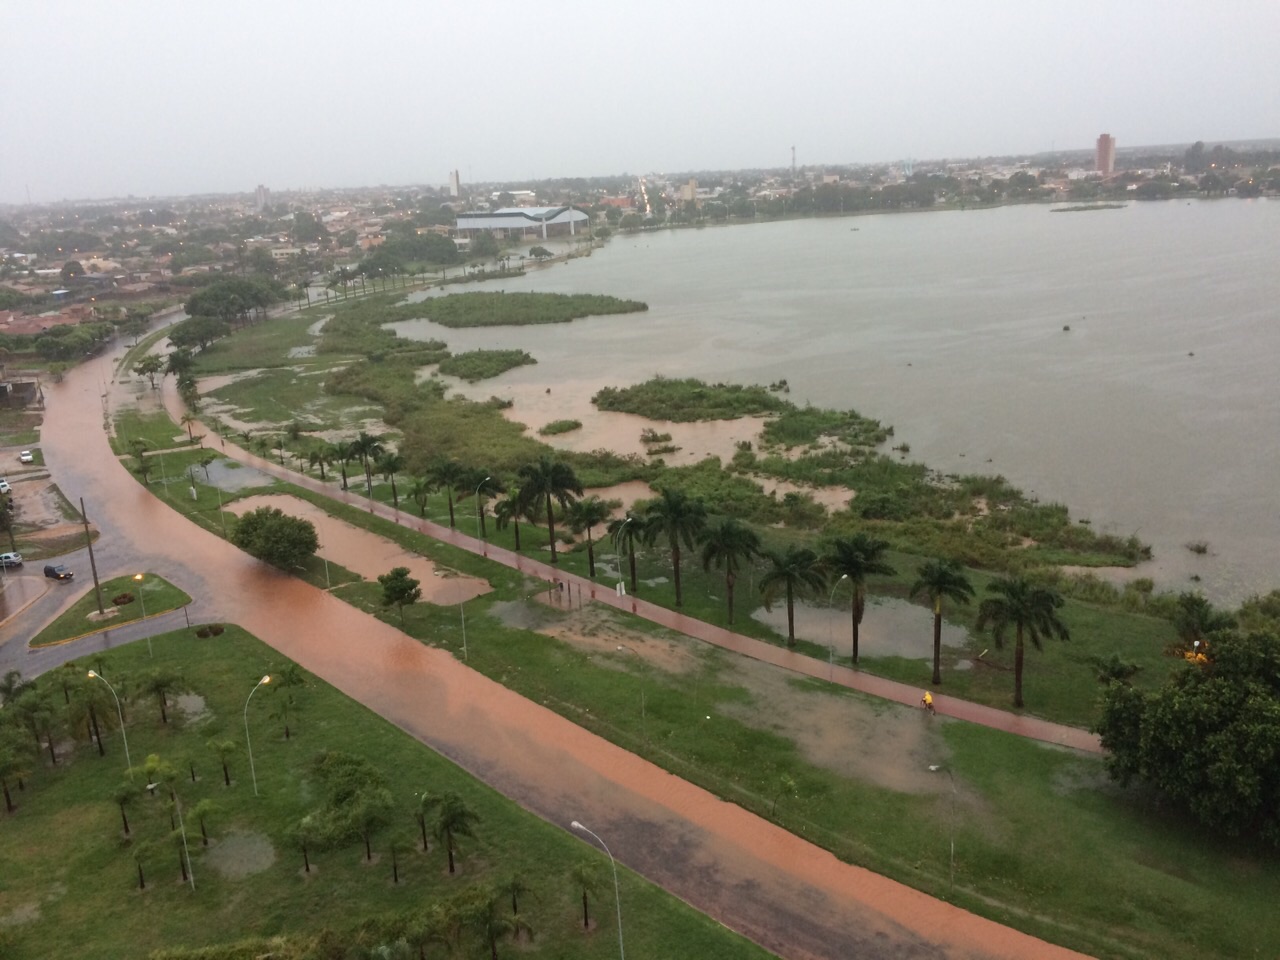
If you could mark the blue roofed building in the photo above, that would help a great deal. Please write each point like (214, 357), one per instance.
(524, 222)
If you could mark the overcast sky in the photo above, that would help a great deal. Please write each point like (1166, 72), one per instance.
(159, 98)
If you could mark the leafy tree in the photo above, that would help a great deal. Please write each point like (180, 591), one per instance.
(160, 683)
(551, 482)
(797, 571)
(857, 557)
(307, 833)
(680, 519)
(15, 761)
(453, 819)
(507, 511)
(419, 490)
(149, 366)
(583, 515)
(1194, 618)
(729, 543)
(344, 453)
(13, 686)
(71, 270)
(1209, 738)
(274, 537)
(321, 456)
(180, 362)
(369, 447)
(399, 589)
(124, 794)
(540, 253)
(201, 812)
(484, 244)
(585, 877)
(941, 580)
(388, 465)
(1031, 610)
(370, 810)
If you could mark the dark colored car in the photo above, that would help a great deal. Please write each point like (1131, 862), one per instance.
(57, 572)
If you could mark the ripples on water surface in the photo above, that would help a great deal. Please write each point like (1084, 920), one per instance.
(1157, 413)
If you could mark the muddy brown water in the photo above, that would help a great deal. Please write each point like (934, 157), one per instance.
(783, 892)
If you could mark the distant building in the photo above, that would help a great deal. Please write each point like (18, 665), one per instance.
(455, 184)
(262, 197)
(689, 191)
(540, 222)
(1105, 159)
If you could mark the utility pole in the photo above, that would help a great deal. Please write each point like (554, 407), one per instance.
(93, 567)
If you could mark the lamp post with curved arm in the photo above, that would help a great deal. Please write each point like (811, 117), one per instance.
(247, 741)
(831, 646)
(622, 577)
(142, 598)
(617, 896)
(93, 674)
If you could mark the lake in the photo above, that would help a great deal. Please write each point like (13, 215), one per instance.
(1156, 413)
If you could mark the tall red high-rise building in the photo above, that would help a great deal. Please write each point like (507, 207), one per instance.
(1105, 161)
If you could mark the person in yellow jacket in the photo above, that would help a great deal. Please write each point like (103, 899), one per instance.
(927, 701)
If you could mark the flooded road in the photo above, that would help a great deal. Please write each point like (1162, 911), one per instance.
(794, 898)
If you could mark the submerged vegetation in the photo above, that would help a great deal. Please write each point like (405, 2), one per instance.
(476, 365)
(684, 401)
(519, 309)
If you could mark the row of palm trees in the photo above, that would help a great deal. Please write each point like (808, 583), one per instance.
(549, 491)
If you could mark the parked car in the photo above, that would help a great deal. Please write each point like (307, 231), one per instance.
(26, 456)
(57, 572)
(10, 559)
(4, 485)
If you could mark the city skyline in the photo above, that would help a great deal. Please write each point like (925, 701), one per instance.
(138, 99)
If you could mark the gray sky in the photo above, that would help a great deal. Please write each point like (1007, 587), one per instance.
(180, 96)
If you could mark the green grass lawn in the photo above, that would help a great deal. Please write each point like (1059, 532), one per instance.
(70, 876)
(154, 593)
(265, 345)
(19, 427)
(156, 430)
(285, 394)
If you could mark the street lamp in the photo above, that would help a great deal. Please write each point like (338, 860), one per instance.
(248, 742)
(142, 598)
(935, 768)
(622, 579)
(478, 486)
(462, 612)
(617, 897)
(93, 674)
(831, 630)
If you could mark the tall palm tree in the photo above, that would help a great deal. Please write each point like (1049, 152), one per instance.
(729, 543)
(481, 483)
(1033, 613)
(624, 532)
(585, 876)
(798, 571)
(321, 456)
(583, 515)
(187, 420)
(547, 482)
(388, 465)
(939, 580)
(678, 517)
(857, 557)
(446, 475)
(369, 447)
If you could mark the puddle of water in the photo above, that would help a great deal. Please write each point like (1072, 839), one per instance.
(890, 627)
(231, 475)
(368, 554)
(295, 352)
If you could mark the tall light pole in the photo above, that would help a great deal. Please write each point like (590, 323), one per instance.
(622, 578)
(831, 630)
(191, 874)
(93, 674)
(935, 768)
(462, 612)
(617, 896)
(248, 742)
(142, 598)
(478, 486)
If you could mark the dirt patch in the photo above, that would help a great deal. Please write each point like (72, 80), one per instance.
(241, 854)
(368, 554)
(886, 744)
(193, 707)
(890, 627)
(24, 913)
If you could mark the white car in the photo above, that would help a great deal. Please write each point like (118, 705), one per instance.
(4, 485)
(26, 456)
(10, 559)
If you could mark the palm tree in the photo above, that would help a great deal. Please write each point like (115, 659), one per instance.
(678, 517)
(187, 420)
(368, 447)
(624, 532)
(343, 453)
(480, 483)
(585, 876)
(857, 557)
(388, 465)
(453, 819)
(161, 683)
(729, 543)
(1194, 618)
(507, 511)
(552, 482)
(419, 491)
(446, 475)
(224, 749)
(1033, 613)
(584, 515)
(938, 580)
(798, 571)
(15, 761)
(321, 456)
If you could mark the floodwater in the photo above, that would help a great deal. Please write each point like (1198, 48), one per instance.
(1154, 414)
(782, 891)
(890, 628)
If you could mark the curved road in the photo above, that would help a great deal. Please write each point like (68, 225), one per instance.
(786, 894)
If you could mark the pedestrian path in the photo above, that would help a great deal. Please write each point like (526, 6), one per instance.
(573, 584)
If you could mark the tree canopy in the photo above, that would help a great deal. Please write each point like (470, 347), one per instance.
(273, 536)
